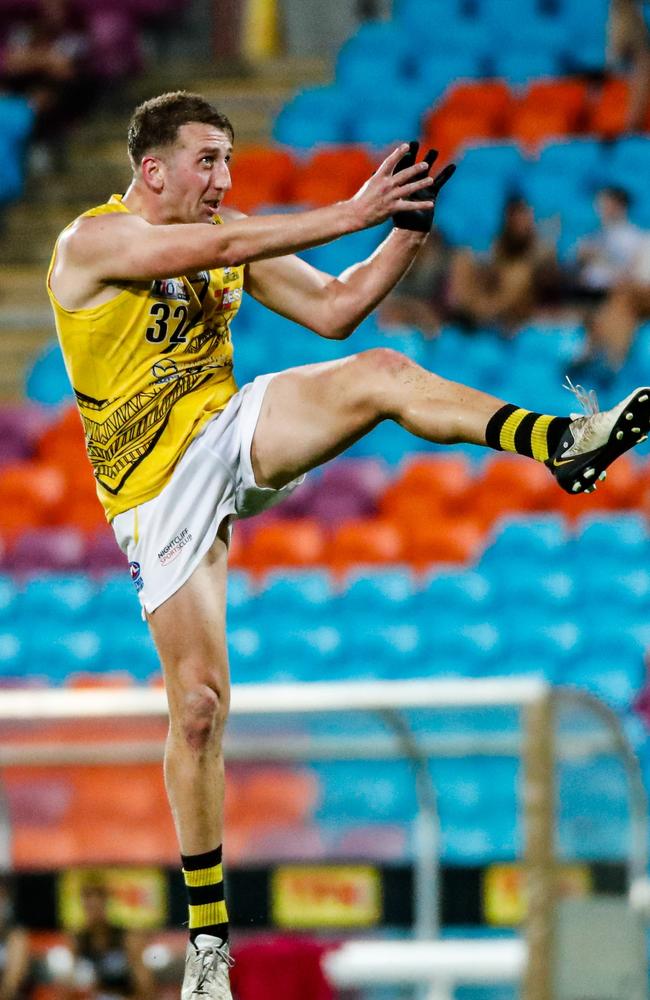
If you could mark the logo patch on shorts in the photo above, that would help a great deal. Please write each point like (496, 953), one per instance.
(136, 577)
(173, 547)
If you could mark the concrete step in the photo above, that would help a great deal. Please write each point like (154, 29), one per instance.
(20, 344)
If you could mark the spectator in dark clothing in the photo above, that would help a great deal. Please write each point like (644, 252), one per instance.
(504, 289)
(107, 957)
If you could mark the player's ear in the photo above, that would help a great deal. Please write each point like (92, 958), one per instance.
(152, 171)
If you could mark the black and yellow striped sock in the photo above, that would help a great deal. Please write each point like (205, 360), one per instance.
(203, 874)
(536, 435)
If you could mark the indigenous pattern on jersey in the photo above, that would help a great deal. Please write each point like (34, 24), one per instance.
(148, 369)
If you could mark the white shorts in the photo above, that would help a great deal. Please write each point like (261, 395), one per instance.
(166, 537)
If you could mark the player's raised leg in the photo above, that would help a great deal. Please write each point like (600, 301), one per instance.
(311, 414)
(189, 632)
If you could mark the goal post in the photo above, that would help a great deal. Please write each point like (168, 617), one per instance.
(398, 705)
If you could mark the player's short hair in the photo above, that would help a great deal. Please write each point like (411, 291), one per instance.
(156, 122)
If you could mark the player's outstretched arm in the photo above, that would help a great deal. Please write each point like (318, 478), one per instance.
(334, 307)
(120, 246)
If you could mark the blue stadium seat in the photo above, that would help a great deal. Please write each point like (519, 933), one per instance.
(303, 654)
(240, 597)
(314, 117)
(390, 120)
(47, 380)
(501, 160)
(13, 652)
(117, 599)
(612, 667)
(248, 654)
(576, 157)
(382, 595)
(16, 122)
(620, 539)
(366, 790)
(56, 652)
(294, 598)
(519, 68)
(463, 596)
(439, 70)
(531, 540)
(539, 646)
(66, 598)
(9, 596)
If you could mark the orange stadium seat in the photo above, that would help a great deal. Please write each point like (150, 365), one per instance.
(284, 543)
(332, 174)
(62, 443)
(262, 175)
(271, 796)
(362, 543)
(37, 487)
(510, 484)
(453, 540)
(610, 111)
(569, 96)
(448, 130)
(445, 481)
(493, 98)
(532, 127)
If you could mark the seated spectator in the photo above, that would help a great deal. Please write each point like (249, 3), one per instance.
(628, 44)
(418, 299)
(504, 289)
(611, 328)
(45, 58)
(604, 257)
(107, 958)
(14, 950)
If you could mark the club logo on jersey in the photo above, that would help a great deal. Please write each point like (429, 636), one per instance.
(136, 576)
(169, 288)
(230, 274)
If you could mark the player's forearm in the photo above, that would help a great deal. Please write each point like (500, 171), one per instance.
(261, 237)
(363, 286)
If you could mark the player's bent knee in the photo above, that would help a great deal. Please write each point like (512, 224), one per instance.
(203, 715)
(386, 371)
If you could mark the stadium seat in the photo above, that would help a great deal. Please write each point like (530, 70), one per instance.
(302, 596)
(609, 114)
(66, 598)
(262, 175)
(316, 116)
(532, 127)
(380, 595)
(618, 539)
(519, 68)
(332, 175)
(535, 541)
(278, 543)
(47, 380)
(363, 543)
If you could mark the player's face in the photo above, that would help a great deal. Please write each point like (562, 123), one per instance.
(197, 174)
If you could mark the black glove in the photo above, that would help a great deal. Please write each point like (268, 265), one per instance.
(421, 220)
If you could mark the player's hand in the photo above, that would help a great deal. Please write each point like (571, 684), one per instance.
(421, 220)
(391, 190)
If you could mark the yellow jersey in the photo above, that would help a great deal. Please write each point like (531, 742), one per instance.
(148, 369)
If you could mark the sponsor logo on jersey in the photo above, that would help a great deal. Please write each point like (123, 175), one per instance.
(169, 288)
(136, 576)
(173, 547)
(228, 298)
